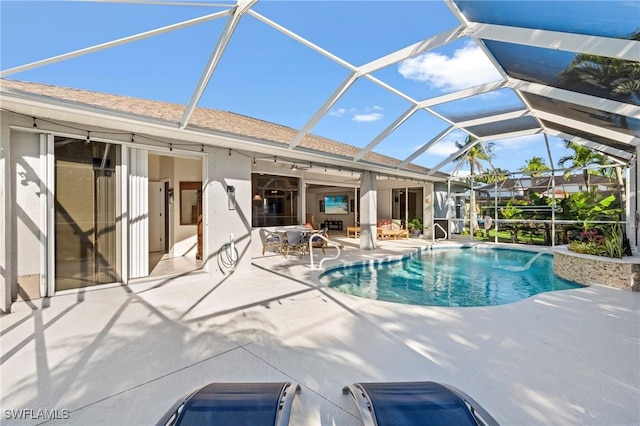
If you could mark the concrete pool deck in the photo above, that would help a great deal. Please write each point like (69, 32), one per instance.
(122, 355)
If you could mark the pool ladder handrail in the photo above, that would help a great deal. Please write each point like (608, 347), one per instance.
(433, 236)
(318, 235)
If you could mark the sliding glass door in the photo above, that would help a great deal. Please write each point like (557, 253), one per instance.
(87, 227)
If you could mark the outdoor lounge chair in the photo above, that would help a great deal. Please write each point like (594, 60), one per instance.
(416, 403)
(234, 404)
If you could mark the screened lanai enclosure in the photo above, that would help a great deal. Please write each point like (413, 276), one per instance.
(557, 79)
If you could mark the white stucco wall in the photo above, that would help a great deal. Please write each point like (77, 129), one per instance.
(25, 169)
(225, 170)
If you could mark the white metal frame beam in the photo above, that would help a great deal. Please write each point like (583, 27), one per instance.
(430, 43)
(301, 40)
(509, 135)
(464, 93)
(493, 118)
(453, 156)
(425, 104)
(160, 3)
(593, 45)
(425, 147)
(375, 65)
(589, 101)
(113, 43)
(386, 132)
(214, 58)
(590, 128)
(326, 106)
(605, 149)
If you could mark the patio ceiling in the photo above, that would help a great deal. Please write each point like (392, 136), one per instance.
(574, 78)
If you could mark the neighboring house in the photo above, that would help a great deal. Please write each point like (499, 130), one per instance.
(93, 185)
(544, 185)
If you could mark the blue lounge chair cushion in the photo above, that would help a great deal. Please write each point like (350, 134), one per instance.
(420, 403)
(241, 404)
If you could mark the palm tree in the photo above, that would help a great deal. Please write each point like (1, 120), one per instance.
(602, 76)
(534, 167)
(474, 157)
(605, 77)
(581, 158)
(495, 175)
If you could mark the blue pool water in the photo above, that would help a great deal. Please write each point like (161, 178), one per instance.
(452, 277)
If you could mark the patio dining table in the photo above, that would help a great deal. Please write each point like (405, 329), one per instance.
(282, 231)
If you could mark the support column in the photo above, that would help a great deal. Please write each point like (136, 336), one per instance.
(5, 220)
(47, 215)
(633, 204)
(368, 211)
(138, 213)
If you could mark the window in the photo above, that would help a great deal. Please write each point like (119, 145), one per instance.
(275, 200)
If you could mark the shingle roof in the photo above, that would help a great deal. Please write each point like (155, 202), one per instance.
(203, 118)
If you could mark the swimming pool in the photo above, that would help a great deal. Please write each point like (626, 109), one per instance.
(464, 277)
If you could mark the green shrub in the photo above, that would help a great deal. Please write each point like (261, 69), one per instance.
(606, 241)
(415, 223)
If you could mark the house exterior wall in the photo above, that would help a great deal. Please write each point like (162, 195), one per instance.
(25, 212)
(222, 223)
(384, 203)
(20, 234)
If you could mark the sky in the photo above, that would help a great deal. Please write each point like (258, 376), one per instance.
(268, 75)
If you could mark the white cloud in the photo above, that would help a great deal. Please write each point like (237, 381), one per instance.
(337, 112)
(519, 143)
(461, 173)
(469, 66)
(443, 148)
(374, 116)
(362, 115)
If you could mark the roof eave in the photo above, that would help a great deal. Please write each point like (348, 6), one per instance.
(56, 109)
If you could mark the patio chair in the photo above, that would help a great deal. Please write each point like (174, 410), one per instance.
(270, 241)
(319, 242)
(416, 403)
(234, 404)
(293, 242)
